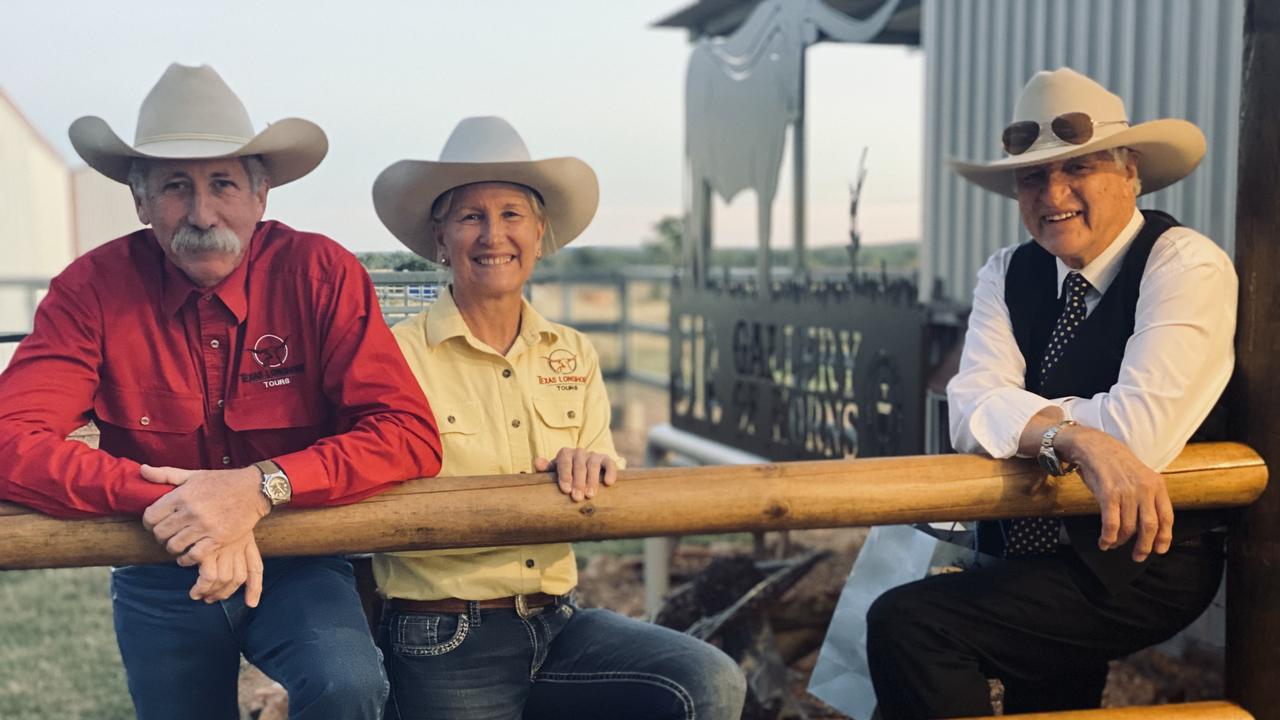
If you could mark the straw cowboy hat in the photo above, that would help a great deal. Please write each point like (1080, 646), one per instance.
(191, 114)
(1168, 150)
(484, 149)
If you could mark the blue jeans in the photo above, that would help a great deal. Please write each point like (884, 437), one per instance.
(308, 633)
(561, 662)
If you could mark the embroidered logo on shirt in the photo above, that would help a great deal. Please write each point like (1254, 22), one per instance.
(562, 362)
(270, 351)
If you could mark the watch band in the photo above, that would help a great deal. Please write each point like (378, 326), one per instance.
(275, 483)
(1048, 456)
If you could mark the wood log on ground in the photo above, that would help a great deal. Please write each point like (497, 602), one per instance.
(519, 509)
(1215, 710)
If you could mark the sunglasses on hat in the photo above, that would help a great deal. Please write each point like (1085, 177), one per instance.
(1075, 128)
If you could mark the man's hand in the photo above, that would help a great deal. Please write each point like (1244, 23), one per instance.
(1132, 496)
(580, 472)
(208, 509)
(224, 570)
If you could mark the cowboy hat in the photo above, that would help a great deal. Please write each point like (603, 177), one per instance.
(1167, 150)
(484, 149)
(191, 114)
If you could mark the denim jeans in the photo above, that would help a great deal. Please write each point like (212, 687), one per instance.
(308, 633)
(560, 662)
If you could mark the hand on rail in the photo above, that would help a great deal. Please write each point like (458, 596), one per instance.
(223, 572)
(1132, 497)
(580, 472)
(207, 510)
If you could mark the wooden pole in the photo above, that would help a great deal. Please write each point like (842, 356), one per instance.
(1213, 710)
(1253, 561)
(518, 509)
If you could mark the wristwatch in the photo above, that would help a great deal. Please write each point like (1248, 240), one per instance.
(275, 484)
(1048, 457)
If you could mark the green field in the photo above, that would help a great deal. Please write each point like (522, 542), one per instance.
(58, 656)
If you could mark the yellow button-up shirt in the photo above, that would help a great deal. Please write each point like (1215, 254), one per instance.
(496, 414)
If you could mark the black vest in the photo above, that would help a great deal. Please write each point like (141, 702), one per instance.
(1090, 364)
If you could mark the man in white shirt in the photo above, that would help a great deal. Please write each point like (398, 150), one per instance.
(1100, 347)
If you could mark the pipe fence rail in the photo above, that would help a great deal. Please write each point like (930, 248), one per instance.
(434, 513)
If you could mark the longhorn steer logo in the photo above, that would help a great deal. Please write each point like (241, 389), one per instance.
(562, 362)
(270, 351)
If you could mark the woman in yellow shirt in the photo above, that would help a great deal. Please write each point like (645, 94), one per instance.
(492, 632)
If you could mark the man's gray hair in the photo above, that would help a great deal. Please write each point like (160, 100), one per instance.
(140, 174)
(1121, 157)
(444, 204)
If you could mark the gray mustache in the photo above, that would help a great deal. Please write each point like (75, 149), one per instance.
(192, 240)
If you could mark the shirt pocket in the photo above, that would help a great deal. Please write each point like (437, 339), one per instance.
(272, 424)
(560, 421)
(158, 427)
(466, 446)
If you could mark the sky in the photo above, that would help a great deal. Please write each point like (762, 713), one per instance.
(389, 80)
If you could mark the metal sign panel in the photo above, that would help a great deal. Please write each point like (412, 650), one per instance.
(827, 369)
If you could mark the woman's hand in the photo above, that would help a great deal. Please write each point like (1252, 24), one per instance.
(580, 472)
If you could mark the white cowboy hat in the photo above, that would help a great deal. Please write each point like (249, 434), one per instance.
(484, 149)
(191, 114)
(1168, 150)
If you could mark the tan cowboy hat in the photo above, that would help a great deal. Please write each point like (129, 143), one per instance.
(191, 114)
(1168, 150)
(484, 149)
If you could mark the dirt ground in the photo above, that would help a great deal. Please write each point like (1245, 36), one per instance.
(1149, 677)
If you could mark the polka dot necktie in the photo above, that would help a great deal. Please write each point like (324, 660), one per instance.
(1068, 322)
(1039, 536)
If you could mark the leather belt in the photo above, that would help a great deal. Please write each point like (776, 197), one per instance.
(524, 605)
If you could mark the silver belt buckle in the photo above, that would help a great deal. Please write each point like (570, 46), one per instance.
(522, 607)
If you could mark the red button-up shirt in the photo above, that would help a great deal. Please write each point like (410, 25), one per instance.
(288, 358)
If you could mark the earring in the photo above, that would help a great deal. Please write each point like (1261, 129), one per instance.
(444, 259)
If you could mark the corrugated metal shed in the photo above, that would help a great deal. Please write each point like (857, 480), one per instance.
(36, 233)
(1166, 58)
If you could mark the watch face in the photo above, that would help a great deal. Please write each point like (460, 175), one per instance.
(277, 488)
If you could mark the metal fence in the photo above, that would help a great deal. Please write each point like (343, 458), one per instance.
(611, 319)
(629, 322)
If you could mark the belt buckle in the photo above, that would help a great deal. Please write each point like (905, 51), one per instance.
(522, 607)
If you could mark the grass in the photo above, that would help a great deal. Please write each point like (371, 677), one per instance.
(58, 655)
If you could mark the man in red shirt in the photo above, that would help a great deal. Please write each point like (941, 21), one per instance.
(231, 365)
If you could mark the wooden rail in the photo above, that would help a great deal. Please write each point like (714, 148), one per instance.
(517, 509)
(1212, 710)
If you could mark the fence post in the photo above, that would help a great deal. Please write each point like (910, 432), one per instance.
(1253, 583)
(624, 326)
(566, 301)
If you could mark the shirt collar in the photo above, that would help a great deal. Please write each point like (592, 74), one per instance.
(445, 321)
(232, 291)
(1103, 270)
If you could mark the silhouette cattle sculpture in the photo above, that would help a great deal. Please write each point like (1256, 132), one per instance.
(741, 93)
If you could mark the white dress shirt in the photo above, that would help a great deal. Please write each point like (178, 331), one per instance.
(1175, 365)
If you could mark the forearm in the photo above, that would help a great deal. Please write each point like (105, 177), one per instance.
(1034, 430)
(382, 450)
(66, 478)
